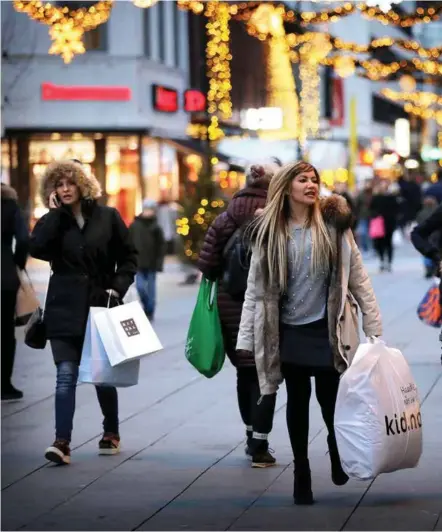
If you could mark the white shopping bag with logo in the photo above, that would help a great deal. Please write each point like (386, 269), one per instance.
(126, 333)
(95, 367)
(378, 420)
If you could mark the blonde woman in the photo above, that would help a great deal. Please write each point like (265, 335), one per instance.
(300, 312)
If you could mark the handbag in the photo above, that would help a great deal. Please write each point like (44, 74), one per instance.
(376, 228)
(27, 301)
(205, 345)
(35, 330)
(429, 310)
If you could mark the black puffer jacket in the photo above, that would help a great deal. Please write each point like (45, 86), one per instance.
(85, 263)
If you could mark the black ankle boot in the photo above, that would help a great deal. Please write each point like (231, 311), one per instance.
(302, 487)
(339, 477)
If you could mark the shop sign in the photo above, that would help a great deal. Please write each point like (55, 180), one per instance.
(49, 92)
(402, 137)
(337, 119)
(194, 101)
(164, 99)
(264, 118)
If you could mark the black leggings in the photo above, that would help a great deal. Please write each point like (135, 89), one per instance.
(9, 300)
(255, 412)
(299, 390)
(384, 247)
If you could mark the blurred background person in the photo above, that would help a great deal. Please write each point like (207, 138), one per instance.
(363, 202)
(13, 229)
(411, 201)
(430, 204)
(435, 190)
(341, 189)
(149, 241)
(385, 203)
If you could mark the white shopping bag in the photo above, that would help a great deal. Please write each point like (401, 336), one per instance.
(126, 333)
(378, 420)
(95, 367)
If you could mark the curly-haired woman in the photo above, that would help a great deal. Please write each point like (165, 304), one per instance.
(93, 263)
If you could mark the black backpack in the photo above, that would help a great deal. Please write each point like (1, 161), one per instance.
(237, 255)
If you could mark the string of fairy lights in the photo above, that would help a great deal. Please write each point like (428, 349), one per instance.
(67, 26)
(265, 20)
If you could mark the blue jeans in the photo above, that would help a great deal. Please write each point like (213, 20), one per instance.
(146, 283)
(67, 376)
(362, 232)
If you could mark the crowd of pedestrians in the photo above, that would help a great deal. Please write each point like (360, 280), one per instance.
(292, 317)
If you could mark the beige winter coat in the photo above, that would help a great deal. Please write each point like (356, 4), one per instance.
(350, 289)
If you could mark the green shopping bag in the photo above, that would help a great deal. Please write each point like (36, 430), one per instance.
(205, 346)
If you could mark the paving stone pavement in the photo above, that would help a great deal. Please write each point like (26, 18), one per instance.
(182, 465)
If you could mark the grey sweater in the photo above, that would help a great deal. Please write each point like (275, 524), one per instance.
(306, 298)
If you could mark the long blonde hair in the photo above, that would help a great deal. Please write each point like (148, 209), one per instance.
(271, 232)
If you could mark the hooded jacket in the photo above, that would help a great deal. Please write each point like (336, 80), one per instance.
(148, 239)
(241, 210)
(350, 288)
(84, 262)
(13, 227)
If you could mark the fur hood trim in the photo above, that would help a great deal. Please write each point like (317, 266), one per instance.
(336, 212)
(90, 188)
(8, 192)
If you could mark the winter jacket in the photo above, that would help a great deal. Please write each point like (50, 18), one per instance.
(84, 262)
(240, 211)
(148, 239)
(350, 287)
(421, 236)
(387, 206)
(13, 227)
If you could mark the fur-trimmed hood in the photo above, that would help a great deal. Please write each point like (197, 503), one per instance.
(8, 192)
(336, 212)
(90, 188)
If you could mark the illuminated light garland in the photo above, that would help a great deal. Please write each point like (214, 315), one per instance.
(311, 54)
(382, 42)
(422, 16)
(420, 99)
(218, 66)
(344, 66)
(281, 86)
(144, 4)
(425, 113)
(326, 16)
(67, 26)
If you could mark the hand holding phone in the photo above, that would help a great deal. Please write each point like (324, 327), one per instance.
(54, 201)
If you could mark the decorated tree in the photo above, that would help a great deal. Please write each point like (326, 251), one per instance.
(202, 203)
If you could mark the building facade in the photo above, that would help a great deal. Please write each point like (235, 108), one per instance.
(119, 107)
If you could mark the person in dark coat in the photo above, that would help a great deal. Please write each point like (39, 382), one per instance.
(149, 241)
(93, 264)
(385, 203)
(13, 227)
(423, 238)
(435, 190)
(244, 205)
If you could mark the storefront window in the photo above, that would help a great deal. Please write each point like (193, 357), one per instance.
(122, 176)
(45, 149)
(6, 163)
(160, 170)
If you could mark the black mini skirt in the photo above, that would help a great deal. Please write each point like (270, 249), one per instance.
(306, 345)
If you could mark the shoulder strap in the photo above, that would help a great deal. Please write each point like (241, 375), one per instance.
(231, 242)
